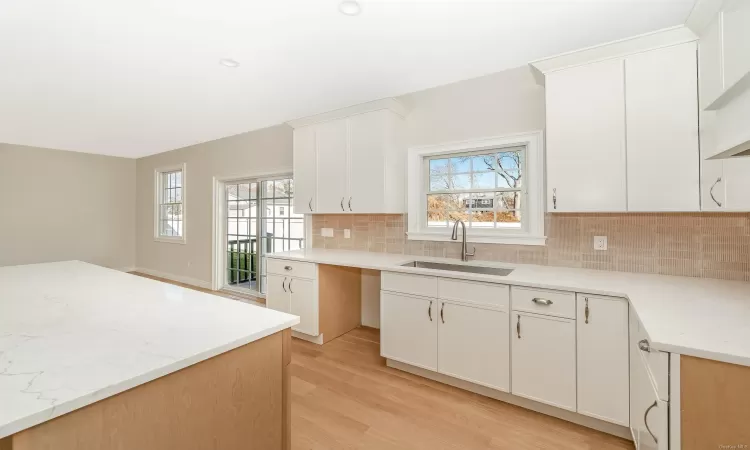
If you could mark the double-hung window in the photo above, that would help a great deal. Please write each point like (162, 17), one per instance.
(494, 186)
(169, 214)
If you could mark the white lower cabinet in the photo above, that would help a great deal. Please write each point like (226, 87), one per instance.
(408, 329)
(303, 303)
(603, 386)
(277, 296)
(543, 364)
(649, 414)
(473, 345)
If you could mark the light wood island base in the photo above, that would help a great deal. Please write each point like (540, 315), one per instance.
(237, 400)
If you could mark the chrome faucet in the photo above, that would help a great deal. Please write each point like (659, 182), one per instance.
(464, 254)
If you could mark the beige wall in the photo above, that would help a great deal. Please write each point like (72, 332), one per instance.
(59, 205)
(258, 152)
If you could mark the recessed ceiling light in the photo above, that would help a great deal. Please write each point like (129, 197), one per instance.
(350, 7)
(229, 62)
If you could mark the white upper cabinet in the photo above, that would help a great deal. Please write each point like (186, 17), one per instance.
(305, 181)
(331, 140)
(736, 40)
(586, 138)
(711, 65)
(662, 129)
(356, 163)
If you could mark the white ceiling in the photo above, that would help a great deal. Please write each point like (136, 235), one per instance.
(137, 77)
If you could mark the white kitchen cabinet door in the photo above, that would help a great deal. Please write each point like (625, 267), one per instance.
(649, 414)
(662, 130)
(736, 178)
(543, 359)
(304, 303)
(712, 170)
(367, 162)
(736, 41)
(305, 170)
(332, 169)
(408, 329)
(710, 63)
(277, 295)
(586, 138)
(473, 345)
(603, 367)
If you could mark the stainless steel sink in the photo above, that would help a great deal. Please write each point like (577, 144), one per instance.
(459, 268)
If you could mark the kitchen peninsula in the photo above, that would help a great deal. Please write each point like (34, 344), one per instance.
(93, 358)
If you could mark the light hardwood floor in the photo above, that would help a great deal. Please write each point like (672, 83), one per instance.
(345, 398)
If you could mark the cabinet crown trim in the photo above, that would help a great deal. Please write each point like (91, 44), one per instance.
(390, 104)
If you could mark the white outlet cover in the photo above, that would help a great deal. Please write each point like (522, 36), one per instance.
(326, 232)
(347, 233)
(600, 242)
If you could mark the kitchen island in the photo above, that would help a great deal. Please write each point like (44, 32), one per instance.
(93, 358)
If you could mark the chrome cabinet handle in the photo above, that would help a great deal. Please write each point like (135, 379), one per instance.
(282, 285)
(290, 285)
(644, 345)
(711, 192)
(342, 204)
(518, 327)
(309, 204)
(541, 301)
(441, 312)
(554, 198)
(586, 310)
(645, 421)
(429, 311)
(287, 267)
(350, 203)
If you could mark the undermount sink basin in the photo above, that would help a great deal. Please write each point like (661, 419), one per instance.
(459, 268)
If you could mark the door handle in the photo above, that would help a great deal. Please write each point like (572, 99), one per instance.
(442, 319)
(342, 204)
(541, 301)
(554, 198)
(586, 310)
(282, 285)
(711, 192)
(290, 285)
(350, 203)
(309, 204)
(429, 311)
(645, 421)
(518, 327)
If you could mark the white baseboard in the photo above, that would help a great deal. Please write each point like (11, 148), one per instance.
(179, 278)
(569, 416)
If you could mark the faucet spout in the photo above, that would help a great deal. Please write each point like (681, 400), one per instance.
(464, 252)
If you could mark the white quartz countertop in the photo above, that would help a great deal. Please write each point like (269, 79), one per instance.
(73, 333)
(705, 318)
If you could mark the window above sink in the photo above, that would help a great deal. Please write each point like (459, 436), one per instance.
(495, 186)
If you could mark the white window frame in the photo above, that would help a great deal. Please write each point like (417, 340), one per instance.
(532, 233)
(158, 192)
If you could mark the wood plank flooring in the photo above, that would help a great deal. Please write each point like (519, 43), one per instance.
(344, 397)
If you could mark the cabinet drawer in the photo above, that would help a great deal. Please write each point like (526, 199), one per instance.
(291, 268)
(543, 301)
(473, 292)
(657, 363)
(409, 284)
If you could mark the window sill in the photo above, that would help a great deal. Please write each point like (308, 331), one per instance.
(512, 239)
(169, 240)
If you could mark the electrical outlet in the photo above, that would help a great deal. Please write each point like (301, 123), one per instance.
(600, 242)
(326, 232)
(347, 234)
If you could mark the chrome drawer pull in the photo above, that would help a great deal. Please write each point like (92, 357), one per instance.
(542, 301)
(644, 345)
(645, 421)
(287, 267)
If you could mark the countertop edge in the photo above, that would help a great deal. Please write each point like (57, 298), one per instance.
(16, 426)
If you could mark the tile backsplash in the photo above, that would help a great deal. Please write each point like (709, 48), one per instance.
(710, 245)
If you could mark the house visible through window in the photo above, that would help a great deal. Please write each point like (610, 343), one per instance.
(249, 237)
(484, 189)
(170, 205)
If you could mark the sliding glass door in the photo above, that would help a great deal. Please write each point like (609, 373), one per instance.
(260, 220)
